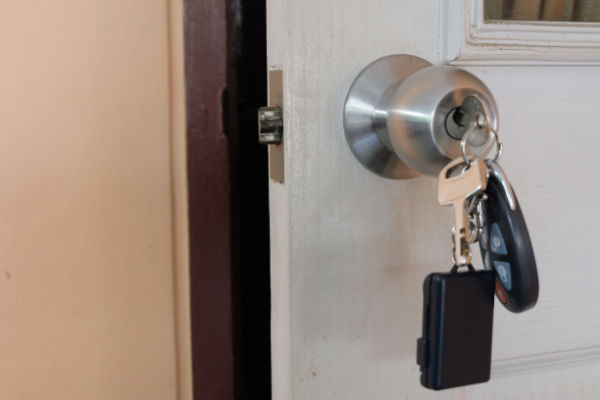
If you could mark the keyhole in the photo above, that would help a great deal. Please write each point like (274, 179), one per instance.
(461, 118)
(455, 127)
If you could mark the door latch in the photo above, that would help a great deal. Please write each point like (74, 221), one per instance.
(270, 125)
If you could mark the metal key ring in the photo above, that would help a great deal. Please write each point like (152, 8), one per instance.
(465, 138)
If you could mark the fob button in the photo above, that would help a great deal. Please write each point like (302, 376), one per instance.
(484, 240)
(487, 264)
(496, 241)
(501, 293)
(503, 272)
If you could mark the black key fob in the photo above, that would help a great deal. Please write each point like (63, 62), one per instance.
(456, 347)
(505, 245)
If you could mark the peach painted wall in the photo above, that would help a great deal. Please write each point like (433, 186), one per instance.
(92, 198)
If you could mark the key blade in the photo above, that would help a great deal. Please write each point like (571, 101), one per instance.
(462, 254)
(456, 190)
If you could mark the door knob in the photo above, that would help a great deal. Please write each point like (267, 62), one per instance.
(404, 117)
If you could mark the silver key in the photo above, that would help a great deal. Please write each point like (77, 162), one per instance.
(456, 190)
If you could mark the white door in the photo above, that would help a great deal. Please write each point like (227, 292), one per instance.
(350, 250)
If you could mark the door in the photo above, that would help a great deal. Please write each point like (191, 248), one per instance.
(350, 249)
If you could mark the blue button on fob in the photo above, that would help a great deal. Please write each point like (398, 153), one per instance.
(505, 244)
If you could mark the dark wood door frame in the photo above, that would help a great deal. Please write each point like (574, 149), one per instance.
(225, 62)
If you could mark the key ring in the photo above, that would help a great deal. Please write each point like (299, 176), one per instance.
(465, 138)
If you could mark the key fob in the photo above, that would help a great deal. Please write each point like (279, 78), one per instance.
(506, 248)
(456, 346)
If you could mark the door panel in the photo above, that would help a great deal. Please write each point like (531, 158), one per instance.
(351, 249)
(550, 155)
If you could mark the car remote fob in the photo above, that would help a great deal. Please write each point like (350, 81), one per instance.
(505, 244)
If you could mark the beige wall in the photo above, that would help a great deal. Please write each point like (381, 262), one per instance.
(92, 201)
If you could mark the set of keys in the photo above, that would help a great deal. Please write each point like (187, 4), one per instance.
(486, 210)
(458, 307)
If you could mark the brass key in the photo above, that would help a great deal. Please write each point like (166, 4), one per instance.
(456, 190)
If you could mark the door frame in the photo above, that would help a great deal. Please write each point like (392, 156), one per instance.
(225, 74)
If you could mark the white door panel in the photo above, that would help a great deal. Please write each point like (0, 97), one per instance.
(547, 118)
(351, 249)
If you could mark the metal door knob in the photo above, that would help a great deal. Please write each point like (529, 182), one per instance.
(404, 117)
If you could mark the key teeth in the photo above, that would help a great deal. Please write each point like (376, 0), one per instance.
(457, 190)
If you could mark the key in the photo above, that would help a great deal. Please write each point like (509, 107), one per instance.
(456, 190)
(505, 244)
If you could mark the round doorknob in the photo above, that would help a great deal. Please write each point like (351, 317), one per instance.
(404, 117)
